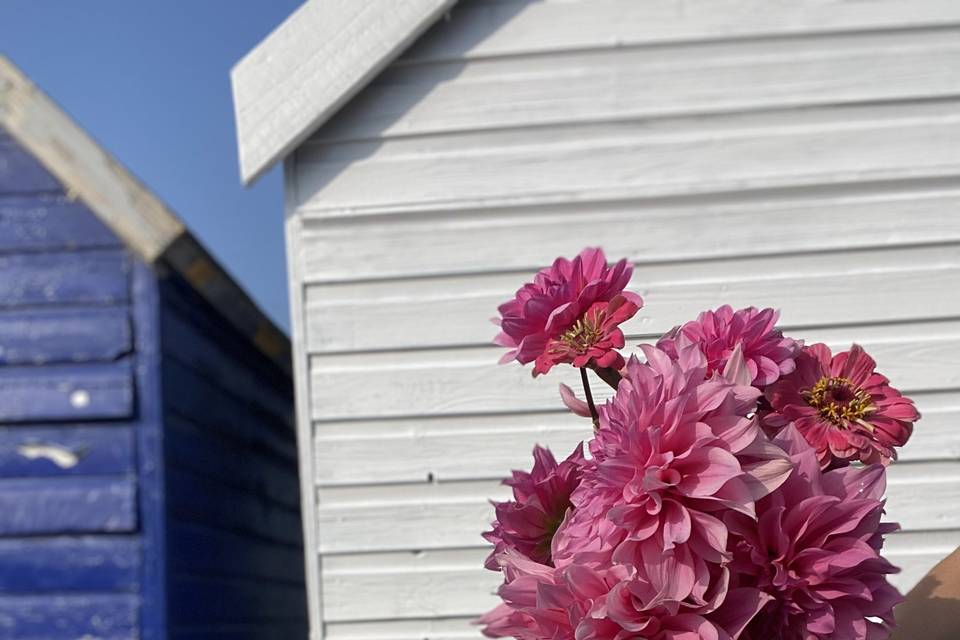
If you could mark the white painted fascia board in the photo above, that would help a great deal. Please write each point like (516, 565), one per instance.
(312, 64)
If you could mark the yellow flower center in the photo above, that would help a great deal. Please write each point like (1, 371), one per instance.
(840, 401)
(584, 333)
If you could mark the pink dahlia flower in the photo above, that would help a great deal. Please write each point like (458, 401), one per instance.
(768, 354)
(586, 603)
(815, 549)
(842, 407)
(672, 451)
(541, 499)
(570, 313)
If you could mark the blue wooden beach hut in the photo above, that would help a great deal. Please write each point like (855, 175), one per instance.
(148, 468)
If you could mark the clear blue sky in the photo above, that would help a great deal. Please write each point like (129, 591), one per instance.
(149, 79)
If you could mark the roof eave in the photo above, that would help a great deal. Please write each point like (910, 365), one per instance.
(139, 218)
(311, 65)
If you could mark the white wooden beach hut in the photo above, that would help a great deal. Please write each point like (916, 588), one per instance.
(803, 154)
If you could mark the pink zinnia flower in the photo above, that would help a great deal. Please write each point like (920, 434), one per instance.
(672, 450)
(768, 354)
(570, 313)
(842, 407)
(541, 499)
(816, 550)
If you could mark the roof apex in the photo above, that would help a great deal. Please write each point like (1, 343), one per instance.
(138, 217)
(311, 65)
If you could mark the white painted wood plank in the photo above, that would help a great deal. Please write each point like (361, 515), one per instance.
(484, 29)
(468, 586)
(453, 582)
(633, 159)
(423, 629)
(618, 84)
(312, 64)
(810, 289)
(436, 583)
(918, 552)
(375, 452)
(301, 387)
(476, 241)
(920, 496)
(916, 357)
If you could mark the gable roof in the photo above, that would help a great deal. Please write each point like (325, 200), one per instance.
(312, 64)
(126, 206)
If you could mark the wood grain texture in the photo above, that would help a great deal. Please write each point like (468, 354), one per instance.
(76, 563)
(66, 392)
(302, 402)
(633, 159)
(447, 583)
(311, 65)
(69, 617)
(452, 515)
(462, 241)
(36, 451)
(916, 357)
(847, 283)
(638, 83)
(491, 28)
(417, 450)
(32, 506)
(801, 155)
(59, 335)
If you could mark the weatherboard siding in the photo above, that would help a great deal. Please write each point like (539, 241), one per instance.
(72, 529)
(804, 156)
(232, 497)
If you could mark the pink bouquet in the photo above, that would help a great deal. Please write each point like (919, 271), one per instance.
(733, 488)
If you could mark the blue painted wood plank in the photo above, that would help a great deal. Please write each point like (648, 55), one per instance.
(83, 563)
(223, 362)
(202, 402)
(195, 601)
(248, 631)
(20, 172)
(74, 450)
(199, 550)
(227, 508)
(66, 392)
(83, 277)
(211, 456)
(44, 222)
(45, 336)
(34, 506)
(151, 471)
(70, 617)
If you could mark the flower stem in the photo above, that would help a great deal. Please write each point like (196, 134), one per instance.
(589, 395)
(609, 375)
